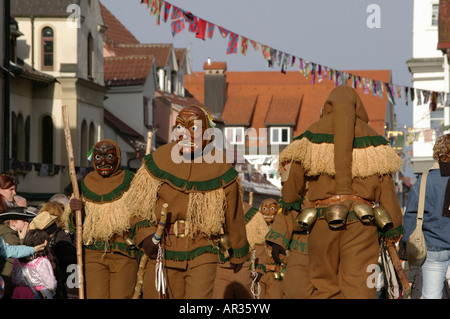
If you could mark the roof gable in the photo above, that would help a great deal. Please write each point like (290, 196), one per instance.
(116, 33)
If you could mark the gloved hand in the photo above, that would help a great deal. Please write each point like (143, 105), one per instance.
(76, 204)
(149, 247)
(236, 267)
(276, 251)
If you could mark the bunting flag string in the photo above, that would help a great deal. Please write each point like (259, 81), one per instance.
(317, 72)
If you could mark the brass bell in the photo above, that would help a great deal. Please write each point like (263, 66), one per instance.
(306, 218)
(225, 244)
(130, 242)
(336, 215)
(364, 212)
(277, 275)
(382, 219)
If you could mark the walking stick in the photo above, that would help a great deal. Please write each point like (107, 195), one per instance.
(399, 269)
(144, 259)
(76, 193)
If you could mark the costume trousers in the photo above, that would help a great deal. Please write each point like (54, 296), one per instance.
(339, 260)
(191, 283)
(109, 275)
(228, 285)
(296, 284)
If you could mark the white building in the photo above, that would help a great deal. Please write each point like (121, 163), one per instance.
(59, 61)
(430, 71)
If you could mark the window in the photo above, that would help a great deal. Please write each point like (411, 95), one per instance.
(234, 135)
(437, 118)
(279, 135)
(47, 140)
(47, 48)
(434, 15)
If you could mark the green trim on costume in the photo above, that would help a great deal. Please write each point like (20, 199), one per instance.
(104, 246)
(291, 206)
(236, 253)
(299, 246)
(358, 142)
(206, 185)
(139, 225)
(189, 255)
(250, 213)
(392, 234)
(271, 234)
(112, 195)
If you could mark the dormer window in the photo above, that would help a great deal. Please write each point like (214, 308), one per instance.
(47, 48)
(279, 135)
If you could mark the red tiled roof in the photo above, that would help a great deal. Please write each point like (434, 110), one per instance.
(116, 33)
(215, 66)
(277, 91)
(245, 104)
(161, 51)
(127, 70)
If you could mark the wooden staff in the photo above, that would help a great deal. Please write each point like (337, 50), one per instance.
(250, 198)
(399, 269)
(144, 259)
(76, 193)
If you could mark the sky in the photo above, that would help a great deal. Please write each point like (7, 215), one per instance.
(341, 34)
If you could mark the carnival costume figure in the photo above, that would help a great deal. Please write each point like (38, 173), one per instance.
(204, 198)
(344, 168)
(110, 258)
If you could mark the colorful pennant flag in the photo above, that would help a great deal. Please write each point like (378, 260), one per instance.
(232, 43)
(255, 45)
(210, 31)
(177, 21)
(223, 32)
(244, 45)
(201, 29)
(265, 51)
(166, 11)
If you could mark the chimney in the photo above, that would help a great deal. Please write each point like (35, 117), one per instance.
(215, 86)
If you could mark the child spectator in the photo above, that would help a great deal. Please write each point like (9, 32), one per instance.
(35, 270)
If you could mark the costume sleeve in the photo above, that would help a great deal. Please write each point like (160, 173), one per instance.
(140, 229)
(293, 186)
(235, 224)
(18, 251)
(282, 228)
(389, 201)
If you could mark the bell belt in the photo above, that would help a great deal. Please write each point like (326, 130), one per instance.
(339, 198)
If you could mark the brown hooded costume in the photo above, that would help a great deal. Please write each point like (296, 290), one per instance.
(204, 198)
(110, 262)
(340, 154)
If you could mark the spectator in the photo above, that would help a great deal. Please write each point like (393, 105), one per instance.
(35, 270)
(12, 229)
(61, 246)
(8, 188)
(436, 220)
